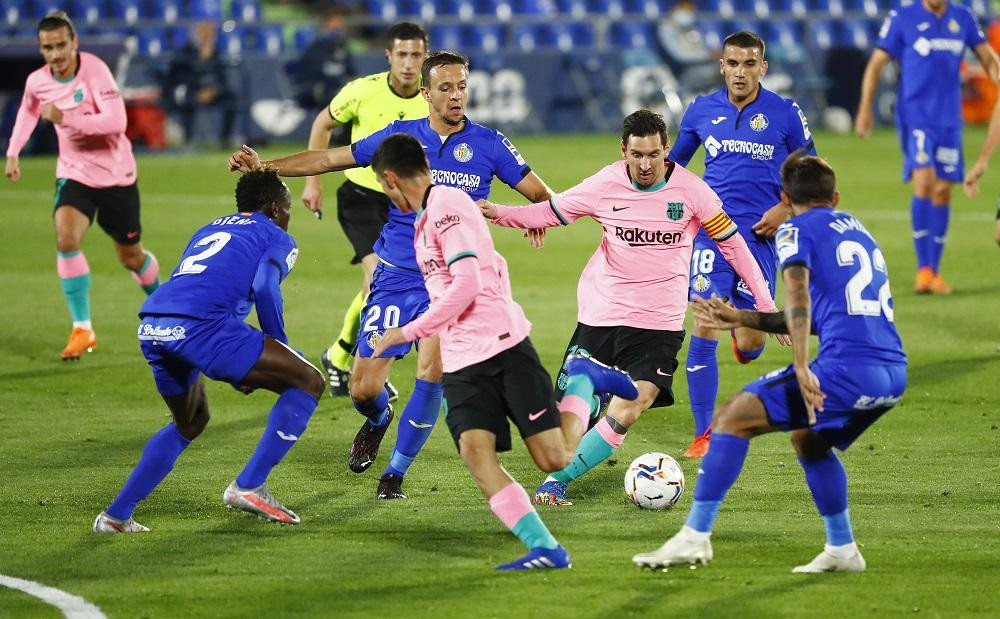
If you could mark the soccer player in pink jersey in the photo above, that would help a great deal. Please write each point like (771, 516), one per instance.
(95, 173)
(632, 294)
(491, 369)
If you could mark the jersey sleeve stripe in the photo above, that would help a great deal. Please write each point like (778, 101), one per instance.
(552, 205)
(459, 256)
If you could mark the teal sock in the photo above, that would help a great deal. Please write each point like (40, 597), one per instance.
(579, 385)
(532, 531)
(74, 275)
(594, 448)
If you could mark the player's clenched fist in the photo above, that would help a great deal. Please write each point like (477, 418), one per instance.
(244, 160)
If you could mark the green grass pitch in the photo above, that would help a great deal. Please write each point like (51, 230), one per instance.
(925, 497)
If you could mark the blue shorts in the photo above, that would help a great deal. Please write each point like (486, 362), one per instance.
(856, 396)
(398, 296)
(933, 146)
(712, 274)
(178, 348)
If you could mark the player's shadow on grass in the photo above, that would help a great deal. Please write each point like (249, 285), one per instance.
(58, 369)
(945, 371)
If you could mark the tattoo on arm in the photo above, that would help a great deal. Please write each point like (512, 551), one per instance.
(771, 322)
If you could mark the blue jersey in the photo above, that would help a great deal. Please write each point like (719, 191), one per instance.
(744, 149)
(929, 50)
(852, 309)
(468, 160)
(225, 268)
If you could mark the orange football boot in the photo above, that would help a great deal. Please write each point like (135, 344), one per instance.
(925, 275)
(939, 286)
(80, 341)
(699, 447)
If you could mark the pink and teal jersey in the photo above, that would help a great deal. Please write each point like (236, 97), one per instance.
(638, 277)
(93, 149)
(449, 230)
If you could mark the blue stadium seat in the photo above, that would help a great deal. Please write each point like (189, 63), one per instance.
(465, 10)
(501, 9)
(869, 7)
(87, 11)
(610, 8)
(203, 9)
(177, 37)
(14, 10)
(424, 10)
(797, 8)
(786, 33)
(830, 8)
(245, 10)
(569, 36)
(577, 9)
(820, 34)
(714, 33)
(545, 8)
(384, 9)
(626, 35)
(152, 41)
(445, 37)
(166, 10)
(756, 27)
(854, 33)
(41, 8)
(127, 11)
(269, 39)
(723, 8)
(304, 35)
(230, 42)
(485, 37)
(582, 33)
(758, 8)
(527, 37)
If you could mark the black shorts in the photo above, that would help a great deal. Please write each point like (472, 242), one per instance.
(362, 213)
(646, 354)
(512, 384)
(116, 208)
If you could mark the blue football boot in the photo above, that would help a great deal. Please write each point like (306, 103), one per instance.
(605, 378)
(540, 559)
(552, 493)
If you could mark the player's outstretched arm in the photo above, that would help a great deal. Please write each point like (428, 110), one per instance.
(319, 139)
(305, 163)
(864, 120)
(534, 189)
(798, 316)
(718, 314)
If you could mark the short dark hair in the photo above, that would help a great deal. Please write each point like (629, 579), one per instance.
(441, 59)
(258, 188)
(808, 178)
(406, 31)
(642, 123)
(745, 39)
(401, 153)
(55, 20)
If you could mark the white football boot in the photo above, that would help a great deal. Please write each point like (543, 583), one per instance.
(846, 558)
(687, 546)
(106, 524)
(258, 501)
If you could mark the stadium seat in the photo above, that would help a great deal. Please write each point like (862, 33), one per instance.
(828, 8)
(756, 27)
(613, 9)
(203, 9)
(41, 8)
(854, 33)
(869, 7)
(424, 10)
(758, 8)
(485, 37)
(635, 35)
(785, 33)
(465, 10)
(177, 37)
(723, 8)
(245, 10)
(152, 41)
(128, 11)
(384, 9)
(714, 33)
(304, 35)
(527, 37)
(819, 34)
(13, 10)
(797, 8)
(501, 9)
(445, 37)
(166, 10)
(230, 42)
(582, 34)
(576, 9)
(87, 11)
(269, 39)
(546, 8)
(652, 9)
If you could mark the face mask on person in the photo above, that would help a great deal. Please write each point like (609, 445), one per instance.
(684, 18)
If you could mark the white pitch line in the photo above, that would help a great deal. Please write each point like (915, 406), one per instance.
(72, 606)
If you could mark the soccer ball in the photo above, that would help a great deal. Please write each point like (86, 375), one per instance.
(654, 481)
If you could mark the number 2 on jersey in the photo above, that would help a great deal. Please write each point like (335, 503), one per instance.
(852, 252)
(215, 244)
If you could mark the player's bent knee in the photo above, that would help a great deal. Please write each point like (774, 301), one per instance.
(313, 383)
(553, 460)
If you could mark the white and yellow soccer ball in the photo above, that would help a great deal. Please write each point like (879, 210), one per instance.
(654, 481)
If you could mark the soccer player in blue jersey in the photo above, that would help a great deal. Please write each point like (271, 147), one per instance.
(747, 131)
(193, 324)
(462, 154)
(836, 283)
(928, 39)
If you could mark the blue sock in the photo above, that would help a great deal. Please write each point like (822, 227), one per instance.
(938, 226)
(285, 425)
(415, 425)
(158, 458)
(703, 381)
(828, 483)
(719, 470)
(377, 410)
(920, 220)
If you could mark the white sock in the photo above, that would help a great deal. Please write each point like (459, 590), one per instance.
(83, 324)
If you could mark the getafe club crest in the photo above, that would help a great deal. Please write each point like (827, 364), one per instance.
(675, 210)
(463, 153)
(373, 337)
(758, 122)
(701, 283)
(953, 26)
